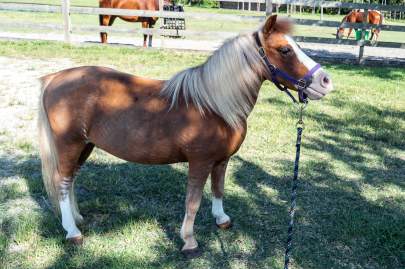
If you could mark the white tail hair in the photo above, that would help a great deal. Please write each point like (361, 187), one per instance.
(49, 157)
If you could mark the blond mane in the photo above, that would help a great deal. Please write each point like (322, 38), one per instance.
(226, 84)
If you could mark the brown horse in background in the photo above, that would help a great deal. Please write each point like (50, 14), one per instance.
(198, 116)
(357, 16)
(147, 22)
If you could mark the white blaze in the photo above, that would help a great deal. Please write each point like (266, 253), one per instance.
(302, 57)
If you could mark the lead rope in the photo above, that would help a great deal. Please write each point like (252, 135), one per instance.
(300, 128)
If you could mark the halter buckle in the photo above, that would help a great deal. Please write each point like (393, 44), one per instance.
(262, 52)
(301, 84)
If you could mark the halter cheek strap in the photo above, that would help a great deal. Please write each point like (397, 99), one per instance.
(275, 73)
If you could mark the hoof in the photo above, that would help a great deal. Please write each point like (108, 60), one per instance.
(76, 241)
(192, 253)
(225, 225)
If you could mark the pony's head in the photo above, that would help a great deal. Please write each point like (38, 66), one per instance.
(340, 32)
(292, 65)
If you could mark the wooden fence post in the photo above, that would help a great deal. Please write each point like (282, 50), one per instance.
(161, 3)
(362, 40)
(67, 26)
(321, 11)
(269, 7)
(161, 23)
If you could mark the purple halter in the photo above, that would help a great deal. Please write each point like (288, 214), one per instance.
(301, 84)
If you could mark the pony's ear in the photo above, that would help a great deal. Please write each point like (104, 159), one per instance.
(269, 24)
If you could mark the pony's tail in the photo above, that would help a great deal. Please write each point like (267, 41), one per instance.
(47, 150)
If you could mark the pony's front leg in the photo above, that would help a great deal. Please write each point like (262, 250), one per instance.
(198, 174)
(222, 220)
(145, 36)
(350, 32)
(69, 212)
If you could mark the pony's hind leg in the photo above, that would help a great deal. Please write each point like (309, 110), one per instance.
(61, 156)
(69, 163)
(69, 211)
(151, 23)
(85, 153)
(198, 174)
(222, 220)
(372, 35)
(71, 157)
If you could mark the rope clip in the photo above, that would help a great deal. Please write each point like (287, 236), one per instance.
(301, 107)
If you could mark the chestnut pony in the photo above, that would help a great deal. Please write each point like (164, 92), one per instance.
(147, 22)
(198, 116)
(356, 16)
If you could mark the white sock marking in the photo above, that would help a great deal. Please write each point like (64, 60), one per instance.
(218, 211)
(68, 221)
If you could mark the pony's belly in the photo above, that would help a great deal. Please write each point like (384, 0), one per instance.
(145, 153)
(155, 158)
(132, 19)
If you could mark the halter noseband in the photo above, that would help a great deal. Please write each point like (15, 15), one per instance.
(300, 84)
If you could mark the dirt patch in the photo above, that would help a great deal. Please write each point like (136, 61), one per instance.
(19, 92)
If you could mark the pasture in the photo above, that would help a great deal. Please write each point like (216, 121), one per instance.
(351, 195)
(191, 24)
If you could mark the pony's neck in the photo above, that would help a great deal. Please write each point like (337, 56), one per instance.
(255, 94)
(227, 84)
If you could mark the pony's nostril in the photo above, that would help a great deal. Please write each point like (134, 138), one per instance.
(326, 80)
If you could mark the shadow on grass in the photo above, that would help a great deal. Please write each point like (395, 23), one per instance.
(348, 226)
(113, 195)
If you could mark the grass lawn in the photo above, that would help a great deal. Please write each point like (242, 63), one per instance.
(351, 195)
(191, 24)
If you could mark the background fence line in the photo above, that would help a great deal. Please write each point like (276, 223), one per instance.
(66, 10)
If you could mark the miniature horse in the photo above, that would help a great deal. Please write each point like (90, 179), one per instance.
(198, 116)
(357, 16)
(147, 22)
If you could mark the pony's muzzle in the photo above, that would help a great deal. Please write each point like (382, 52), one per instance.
(320, 86)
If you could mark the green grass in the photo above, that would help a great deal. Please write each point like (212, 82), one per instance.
(351, 196)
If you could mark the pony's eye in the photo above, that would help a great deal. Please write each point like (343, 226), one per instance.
(285, 50)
